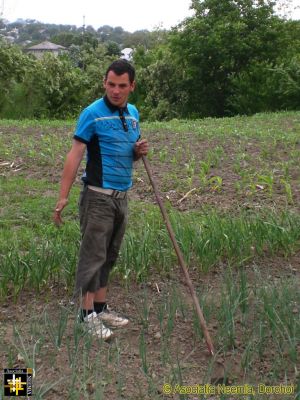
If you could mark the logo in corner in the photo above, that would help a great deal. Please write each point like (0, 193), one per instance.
(18, 382)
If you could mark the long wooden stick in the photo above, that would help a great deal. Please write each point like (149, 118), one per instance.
(180, 259)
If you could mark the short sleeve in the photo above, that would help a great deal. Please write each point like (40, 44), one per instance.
(135, 114)
(138, 123)
(85, 127)
(139, 132)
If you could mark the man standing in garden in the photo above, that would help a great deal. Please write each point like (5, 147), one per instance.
(108, 130)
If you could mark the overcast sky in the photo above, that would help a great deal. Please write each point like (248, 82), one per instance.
(131, 15)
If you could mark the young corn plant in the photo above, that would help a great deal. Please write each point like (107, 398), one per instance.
(214, 156)
(203, 173)
(288, 190)
(162, 154)
(215, 183)
(266, 180)
(150, 153)
(190, 170)
(241, 160)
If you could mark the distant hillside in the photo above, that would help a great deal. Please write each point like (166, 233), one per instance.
(29, 32)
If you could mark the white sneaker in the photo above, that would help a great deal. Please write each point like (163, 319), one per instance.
(96, 326)
(112, 318)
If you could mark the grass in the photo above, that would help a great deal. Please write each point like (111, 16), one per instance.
(42, 254)
(246, 171)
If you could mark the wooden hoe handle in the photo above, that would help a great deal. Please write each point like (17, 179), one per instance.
(180, 259)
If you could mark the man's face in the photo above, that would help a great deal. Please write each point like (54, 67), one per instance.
(118, 88)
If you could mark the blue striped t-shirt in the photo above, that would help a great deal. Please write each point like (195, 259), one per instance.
(110, 144)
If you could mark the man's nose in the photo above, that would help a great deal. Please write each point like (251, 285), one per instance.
(116, 89)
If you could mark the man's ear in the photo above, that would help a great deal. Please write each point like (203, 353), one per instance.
(132, 86)
(104, 82)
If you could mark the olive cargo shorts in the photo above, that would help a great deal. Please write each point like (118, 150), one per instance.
(102, 223)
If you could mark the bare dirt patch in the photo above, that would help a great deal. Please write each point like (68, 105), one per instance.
(251, 172)
(174, 347)
(163, 343)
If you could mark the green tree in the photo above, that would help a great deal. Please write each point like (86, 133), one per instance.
(13, 67)
(65, 39)
(223, 38)
(266, 87)
(51, 88)
(159, 94)
(112, 48)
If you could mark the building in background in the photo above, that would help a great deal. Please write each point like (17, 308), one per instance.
(46, 47)
(127, 53)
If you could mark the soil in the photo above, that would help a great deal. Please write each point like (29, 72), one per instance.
(123, 376)
(172, 176)
(118, 365)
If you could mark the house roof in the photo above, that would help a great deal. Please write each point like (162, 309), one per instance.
(127, 50)
(46, 46)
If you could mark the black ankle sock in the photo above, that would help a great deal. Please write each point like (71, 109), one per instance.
(99, 307)
(84, 313)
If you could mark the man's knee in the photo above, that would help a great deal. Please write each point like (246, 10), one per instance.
(105, 272)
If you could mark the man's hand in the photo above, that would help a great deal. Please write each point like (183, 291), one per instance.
(60, 205)
(141, 148)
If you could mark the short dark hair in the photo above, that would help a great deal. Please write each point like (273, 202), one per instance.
(120, 67)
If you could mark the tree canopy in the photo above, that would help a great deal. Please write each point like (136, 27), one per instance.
(231, 57)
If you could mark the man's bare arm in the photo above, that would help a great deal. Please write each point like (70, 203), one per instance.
(71, 166)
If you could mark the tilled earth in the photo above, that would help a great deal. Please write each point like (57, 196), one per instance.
(175, 354)
(155, 348)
